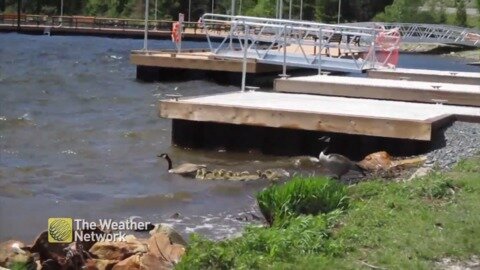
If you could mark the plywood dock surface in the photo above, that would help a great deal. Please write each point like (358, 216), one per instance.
(427, 75)
(417, 91)
(198, 61)
(319, 113)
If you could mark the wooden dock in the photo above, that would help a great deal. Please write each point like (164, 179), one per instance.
(429, 92)
(390, 119)
(426, 75)
(198, 61)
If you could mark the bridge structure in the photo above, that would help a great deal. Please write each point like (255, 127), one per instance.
(303, 44)
(431, 33)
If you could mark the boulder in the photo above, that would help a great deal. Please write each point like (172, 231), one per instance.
(173, 235)
(149, 261)
(160, 246)
(376, 161)
(13, 256)
(46, 250)
(99, 264)
(117, 250)
(130, 263)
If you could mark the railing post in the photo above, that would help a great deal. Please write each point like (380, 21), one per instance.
(319, 59)
(284, 74)
(244, 64)
(145, 35)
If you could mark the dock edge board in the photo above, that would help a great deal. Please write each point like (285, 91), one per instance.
(376, 92)
(348, 124)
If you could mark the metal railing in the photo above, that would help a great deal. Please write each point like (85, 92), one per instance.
(295, 43)
(432, 33)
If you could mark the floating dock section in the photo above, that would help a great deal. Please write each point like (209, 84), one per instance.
(426, 75)
(391, 119)
(198, 61)
(414, 91)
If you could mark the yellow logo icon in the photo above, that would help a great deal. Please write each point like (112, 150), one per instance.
(60, 230)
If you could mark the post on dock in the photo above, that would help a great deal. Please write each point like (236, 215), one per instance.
(145, 36)
(245, 50)
(19, 10)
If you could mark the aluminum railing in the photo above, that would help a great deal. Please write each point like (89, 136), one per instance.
(292, 43)
(431, 33)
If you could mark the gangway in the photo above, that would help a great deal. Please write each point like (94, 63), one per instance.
(430, 33)
(303, 44)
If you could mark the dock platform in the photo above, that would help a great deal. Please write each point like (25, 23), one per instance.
(390, 119)
(198, 61)
(412, 91)
(426, 75)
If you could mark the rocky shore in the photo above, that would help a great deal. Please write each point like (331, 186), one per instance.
(162, 250)
(441, 49)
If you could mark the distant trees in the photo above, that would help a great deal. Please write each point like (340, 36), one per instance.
(404, 11)
(461, 14)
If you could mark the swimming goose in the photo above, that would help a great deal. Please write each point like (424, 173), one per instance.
(339, 165)
(185, 169)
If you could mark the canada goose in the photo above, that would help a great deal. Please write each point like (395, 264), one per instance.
(185, 169)
(339, 165)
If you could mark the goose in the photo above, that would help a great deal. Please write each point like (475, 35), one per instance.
(339, 165)
(185, 169)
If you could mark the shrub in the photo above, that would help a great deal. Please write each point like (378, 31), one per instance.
(302, 196)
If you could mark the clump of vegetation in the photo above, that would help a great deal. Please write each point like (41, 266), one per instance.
(302, 196)
(260, 247)
(405, 225)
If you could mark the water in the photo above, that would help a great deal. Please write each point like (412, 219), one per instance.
(79, 138)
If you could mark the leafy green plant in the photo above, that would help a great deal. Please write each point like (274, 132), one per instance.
(302, 196)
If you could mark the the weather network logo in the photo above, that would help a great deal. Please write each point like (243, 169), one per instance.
(60, 230)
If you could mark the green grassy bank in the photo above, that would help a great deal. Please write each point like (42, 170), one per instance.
(317, 223)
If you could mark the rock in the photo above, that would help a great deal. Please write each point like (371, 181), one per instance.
(117, 250)
(99, 264)
(13, 256)
(150, 261)
(376, 161)
(174, 236)
(422, 171)
(176, 216)
(160, 246)
(409, 162)
(130, 263)
(46, 250)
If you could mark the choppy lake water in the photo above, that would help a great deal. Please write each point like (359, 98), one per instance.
(79, 138)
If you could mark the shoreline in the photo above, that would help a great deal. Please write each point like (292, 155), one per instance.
(472, 54)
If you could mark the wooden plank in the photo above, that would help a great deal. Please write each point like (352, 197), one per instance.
(412, 126)
(382, 89)
(199, 62)
(427, 75)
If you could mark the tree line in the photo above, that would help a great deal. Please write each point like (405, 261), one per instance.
(313, 10)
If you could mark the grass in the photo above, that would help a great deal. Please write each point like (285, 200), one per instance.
(302, 196)
(394, 225)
